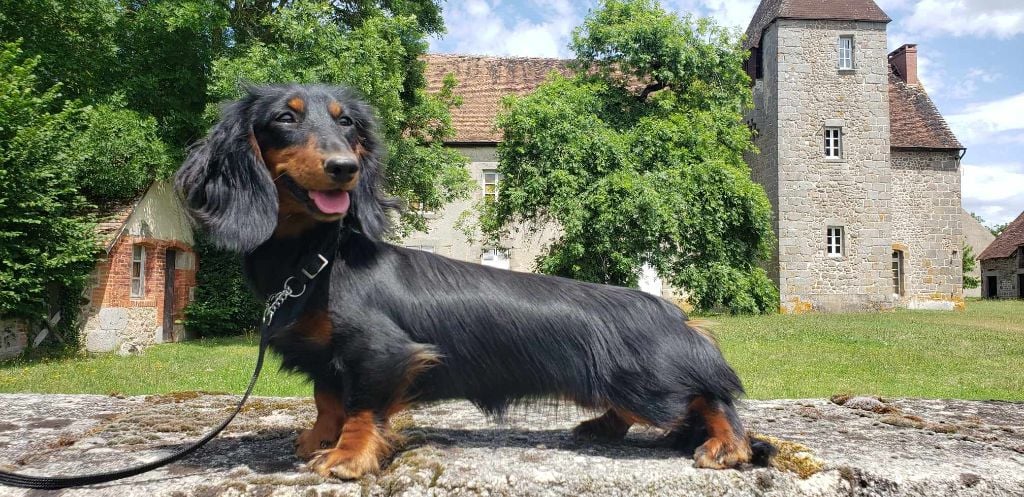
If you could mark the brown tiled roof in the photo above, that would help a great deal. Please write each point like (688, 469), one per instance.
(914, 120)
(482, 82)
(111, 219)
(1007, 242)
(830, 10)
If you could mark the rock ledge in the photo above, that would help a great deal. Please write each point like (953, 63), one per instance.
(864, 447)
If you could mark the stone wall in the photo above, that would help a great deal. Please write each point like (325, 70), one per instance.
(816, 192)
(1005, 270)
(13, 337)
(927, 227)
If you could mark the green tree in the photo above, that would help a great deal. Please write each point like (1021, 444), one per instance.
(969, 263)
(54, 165)
(638, 156)
(43, 239)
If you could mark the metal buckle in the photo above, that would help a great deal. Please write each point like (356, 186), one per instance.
(323, 264)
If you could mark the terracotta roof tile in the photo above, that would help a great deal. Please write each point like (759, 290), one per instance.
(482, 82)
(914, 120)
(1007, 242)
(832, 10)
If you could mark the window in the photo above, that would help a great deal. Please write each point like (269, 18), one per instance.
(845, 53)
(418, 207)
(423, 247)
(897, 272)
(834, 241)
(1020, 257)
(496, 257)
(490, 184)
(833, 142)
(138, 272)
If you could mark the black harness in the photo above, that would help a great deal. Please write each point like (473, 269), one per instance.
(294, 288)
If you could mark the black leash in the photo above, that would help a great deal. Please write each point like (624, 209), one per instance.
(294, 288)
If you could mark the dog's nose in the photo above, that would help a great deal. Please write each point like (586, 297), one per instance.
(341, 169)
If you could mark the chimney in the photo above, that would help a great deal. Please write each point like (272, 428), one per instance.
(904, 59)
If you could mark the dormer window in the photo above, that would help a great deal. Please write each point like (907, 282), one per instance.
(846, 53)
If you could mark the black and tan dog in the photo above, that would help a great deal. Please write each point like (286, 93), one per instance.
(289, 166)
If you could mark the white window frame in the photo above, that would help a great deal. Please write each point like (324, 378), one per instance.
(845, 48)
(496, 257)
(835, 243)
(491, 196)
(138, 257)
(899, 272)
(833, 141)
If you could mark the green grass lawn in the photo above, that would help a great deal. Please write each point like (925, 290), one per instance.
(974, 354)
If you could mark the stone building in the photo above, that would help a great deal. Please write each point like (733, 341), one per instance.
(145, 276)
(1002, 263)
(861, 169)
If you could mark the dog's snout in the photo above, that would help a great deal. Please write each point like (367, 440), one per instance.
(341, 169)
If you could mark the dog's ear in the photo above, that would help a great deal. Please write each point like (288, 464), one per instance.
(226, 186)
(370, 205)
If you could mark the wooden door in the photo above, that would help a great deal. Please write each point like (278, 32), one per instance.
(169, 262)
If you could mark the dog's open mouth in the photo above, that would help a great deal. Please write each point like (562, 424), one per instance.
(330, 202)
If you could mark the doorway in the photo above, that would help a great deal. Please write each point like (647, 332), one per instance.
(991, 287)
(170, 258)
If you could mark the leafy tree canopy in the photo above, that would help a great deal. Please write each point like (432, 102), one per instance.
(638, 157)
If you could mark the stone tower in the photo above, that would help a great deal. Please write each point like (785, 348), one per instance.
(822, 119)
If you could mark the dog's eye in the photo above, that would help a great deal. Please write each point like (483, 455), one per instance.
(345, 121)
(285, 117)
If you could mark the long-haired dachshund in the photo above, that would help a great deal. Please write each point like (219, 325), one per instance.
(288, 166)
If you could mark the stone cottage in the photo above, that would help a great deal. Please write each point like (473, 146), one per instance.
(145, 276)
(861, 169)
(1002, 263)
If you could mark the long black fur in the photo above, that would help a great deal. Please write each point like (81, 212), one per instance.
(501, 336)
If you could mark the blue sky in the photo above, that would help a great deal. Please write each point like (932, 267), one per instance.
(971, 60)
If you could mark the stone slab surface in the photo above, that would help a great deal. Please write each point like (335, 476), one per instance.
(862, 448)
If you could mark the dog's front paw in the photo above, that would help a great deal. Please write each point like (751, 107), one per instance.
(716, 454)
(343, 464)
(309, 442)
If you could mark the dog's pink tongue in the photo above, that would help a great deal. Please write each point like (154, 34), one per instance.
(332, 202)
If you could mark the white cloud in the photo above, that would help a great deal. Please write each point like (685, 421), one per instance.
(1000, 18)
(996, 122)
(994, 191)
(732, 13)
(481, 27)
